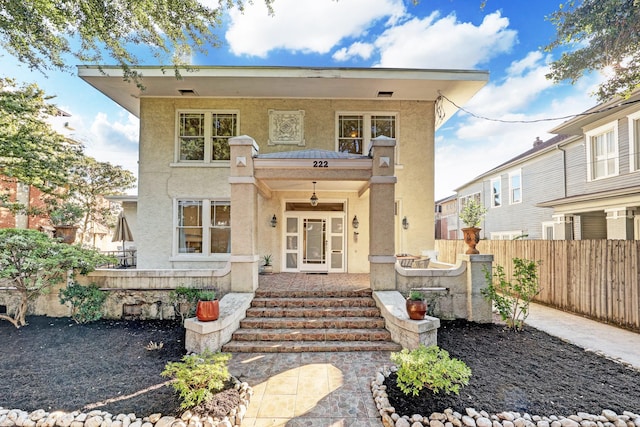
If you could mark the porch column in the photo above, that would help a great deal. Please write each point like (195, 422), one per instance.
(620, 223)
(562, 227)
(244, 208)
(382, 258)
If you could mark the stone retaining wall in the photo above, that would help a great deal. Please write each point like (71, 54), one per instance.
(473, 418)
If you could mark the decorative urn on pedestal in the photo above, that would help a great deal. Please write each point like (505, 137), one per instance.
(471, 214)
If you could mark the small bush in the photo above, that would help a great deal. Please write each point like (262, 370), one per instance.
(198, 376)
(512, 298)
(430, 367)
(86, 302)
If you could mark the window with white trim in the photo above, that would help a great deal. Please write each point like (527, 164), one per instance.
(507, 235)
(634, 141)
(464, 199)
(356, 130)
(515, 187)
(602, 151)
(203, 226)
(203, 136)
(496, 192)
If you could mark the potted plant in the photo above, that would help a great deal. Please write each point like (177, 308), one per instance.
(416, 305)
(208, 307)
(267, 268)
(64, 218)
(471, 214)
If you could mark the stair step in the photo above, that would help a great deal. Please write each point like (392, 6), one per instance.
(308, 346)
(314, 302)
(317, 293)
(311, 335)
(313, 312)
(315, 323)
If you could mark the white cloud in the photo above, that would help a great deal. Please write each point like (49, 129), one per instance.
(445, 43)
(362, 50)
(305, 25)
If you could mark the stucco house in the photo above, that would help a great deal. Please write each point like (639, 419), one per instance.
(325, 169)
(584, 183)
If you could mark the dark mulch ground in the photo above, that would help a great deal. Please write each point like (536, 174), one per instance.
(56, 364)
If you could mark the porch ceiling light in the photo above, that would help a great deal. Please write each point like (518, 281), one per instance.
(314, 198)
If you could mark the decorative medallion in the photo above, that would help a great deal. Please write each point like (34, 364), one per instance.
(286, 127)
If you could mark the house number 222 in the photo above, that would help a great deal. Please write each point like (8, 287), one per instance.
(320, 163)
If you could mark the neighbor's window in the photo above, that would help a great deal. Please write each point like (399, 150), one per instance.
(515, 187)
(496, 192)
(355, 131)
(203, 136)
(193, 237)
(465, 199)
(603, 151)
(634, 141)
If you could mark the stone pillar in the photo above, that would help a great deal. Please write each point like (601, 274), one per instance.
(563, 227)
(382, 258)
(620, 223)
(478, 308)
(244, 221)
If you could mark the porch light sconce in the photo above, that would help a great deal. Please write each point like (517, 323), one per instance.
(405, 223)
(274, 221)
(355, 223)
(314, 198)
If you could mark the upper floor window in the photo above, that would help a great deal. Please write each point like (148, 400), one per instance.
(515, 187)
(464, 199)
(602, 151)
(496, 192)
(203, 136)
(634, 141)
(203, 227)
(355, 131)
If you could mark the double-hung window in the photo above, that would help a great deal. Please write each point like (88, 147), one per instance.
(602, 151)
(515, 187)
(355, 130)
(634, 141)
(203, 227)
(203, 136)
(496, 192)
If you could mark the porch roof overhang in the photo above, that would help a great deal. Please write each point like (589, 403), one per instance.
(622, 197)
(287, 82)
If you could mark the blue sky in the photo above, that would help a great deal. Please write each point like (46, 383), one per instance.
(506, 38)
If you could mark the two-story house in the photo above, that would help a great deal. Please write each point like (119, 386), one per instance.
(582, 184)
(326, 169)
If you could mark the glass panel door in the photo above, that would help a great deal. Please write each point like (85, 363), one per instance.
(291, 243)
(336, 242)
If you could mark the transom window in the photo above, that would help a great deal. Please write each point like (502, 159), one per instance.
(603, 151)
(355, 131)
(203, 227)
(515, 187)
(203, 136)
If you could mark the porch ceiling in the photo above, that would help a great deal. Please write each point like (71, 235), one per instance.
(288, 82)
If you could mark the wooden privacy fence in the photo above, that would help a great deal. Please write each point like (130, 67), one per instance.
(596, 278)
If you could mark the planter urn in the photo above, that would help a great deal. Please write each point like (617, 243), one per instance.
(208, 311)
(67, 233)
(471, 238)
(416, 309)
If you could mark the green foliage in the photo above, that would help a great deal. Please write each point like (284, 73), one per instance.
(267, 260)
(43, 34)
(429, 367)
(596, 35)
(207, 295)
(416, 295)
(65, 213)
(33, 263)
(198, 376)
(512, 298)
(472, 213)
(86, 301)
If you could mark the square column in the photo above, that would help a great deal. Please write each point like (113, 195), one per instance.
(244, 224)
(620, 223)
(382, 258)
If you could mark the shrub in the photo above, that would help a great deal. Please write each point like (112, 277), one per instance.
(512, 298)
(86, 301)
(429, 367)
(198, 376)
(183, 295)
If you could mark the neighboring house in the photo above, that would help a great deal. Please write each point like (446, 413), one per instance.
(28, 196)
(447, 221)
(231, 158)
(582, 184)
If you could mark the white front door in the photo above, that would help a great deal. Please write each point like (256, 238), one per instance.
(314, 242)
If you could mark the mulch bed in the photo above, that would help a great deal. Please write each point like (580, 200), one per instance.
(55, 364)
